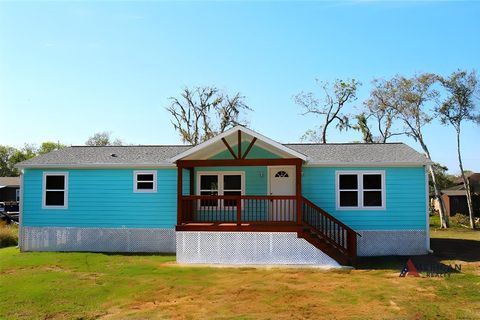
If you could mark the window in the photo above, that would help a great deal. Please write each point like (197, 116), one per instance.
(281, 174)
(372, 190)
(208, 187)
(17, 195)
(221, 183)
(232, 186)
(55, 190)
(360, 190)
(348, 190)
(145, 181)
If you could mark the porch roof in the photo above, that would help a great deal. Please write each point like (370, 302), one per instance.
(233, 137)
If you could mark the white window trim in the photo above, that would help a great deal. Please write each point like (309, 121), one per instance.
(360, 190)
(44, 190)
(220, 175)
(135, 181)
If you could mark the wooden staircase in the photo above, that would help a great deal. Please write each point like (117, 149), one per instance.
(328, 234)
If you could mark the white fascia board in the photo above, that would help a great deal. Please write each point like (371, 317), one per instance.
(98, 166)
(363, 164)
(233, 130)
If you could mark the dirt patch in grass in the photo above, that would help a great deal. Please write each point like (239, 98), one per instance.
(294, 294)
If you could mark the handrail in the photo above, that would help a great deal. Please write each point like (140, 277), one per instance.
(310, 203)
(338, 234)
(242, 197)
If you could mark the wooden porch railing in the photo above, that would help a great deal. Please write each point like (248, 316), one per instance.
(338, 234)
(238, 209)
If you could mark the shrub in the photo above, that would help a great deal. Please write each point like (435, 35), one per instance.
(8, 235)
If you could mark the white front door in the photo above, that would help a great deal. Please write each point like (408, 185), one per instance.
(282, 183)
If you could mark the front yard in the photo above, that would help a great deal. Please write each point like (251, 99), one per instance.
(113, 286)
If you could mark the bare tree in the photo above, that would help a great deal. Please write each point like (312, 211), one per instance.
(460, 106)
(103, 139)
(378, 110)
(203, 112)
(329, 107)
(405, 100)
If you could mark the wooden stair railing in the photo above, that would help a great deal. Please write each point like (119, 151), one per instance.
(324, 230)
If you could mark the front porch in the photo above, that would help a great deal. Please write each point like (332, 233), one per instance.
(212, 196)
(209, 208)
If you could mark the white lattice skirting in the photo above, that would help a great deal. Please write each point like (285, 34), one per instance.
(216, 247)
(392, 242)
(98, 239)
(248, 248)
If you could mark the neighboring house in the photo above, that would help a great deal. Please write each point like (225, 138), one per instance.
(10, 189)
(259, 203)
(455, 198)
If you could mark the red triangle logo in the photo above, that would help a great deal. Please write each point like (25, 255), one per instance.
(409, 270)
(412, 270)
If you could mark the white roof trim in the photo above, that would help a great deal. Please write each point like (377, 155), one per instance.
(171, 165)
(366, 164)
(98, 165)
(247, 131)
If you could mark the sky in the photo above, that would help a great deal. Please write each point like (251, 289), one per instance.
(70, 69)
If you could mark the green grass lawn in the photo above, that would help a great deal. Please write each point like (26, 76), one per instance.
(455, 231)
(37, 285)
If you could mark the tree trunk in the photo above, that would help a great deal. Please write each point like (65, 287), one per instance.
(444, 223)
(466, 183)
(324, 133)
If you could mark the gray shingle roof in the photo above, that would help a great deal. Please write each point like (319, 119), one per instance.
(115, 156)
(353, 153)
(359, 153)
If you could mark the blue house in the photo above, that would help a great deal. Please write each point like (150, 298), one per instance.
(238, 198)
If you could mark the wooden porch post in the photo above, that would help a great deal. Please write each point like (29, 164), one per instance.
(298, 190)
(352, 243)
(239, 145)
(179, 193)
(192, 179)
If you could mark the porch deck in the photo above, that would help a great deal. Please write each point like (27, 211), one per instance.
(246, 227)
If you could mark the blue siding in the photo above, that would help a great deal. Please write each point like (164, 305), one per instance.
(104, 198)
(405, 198)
